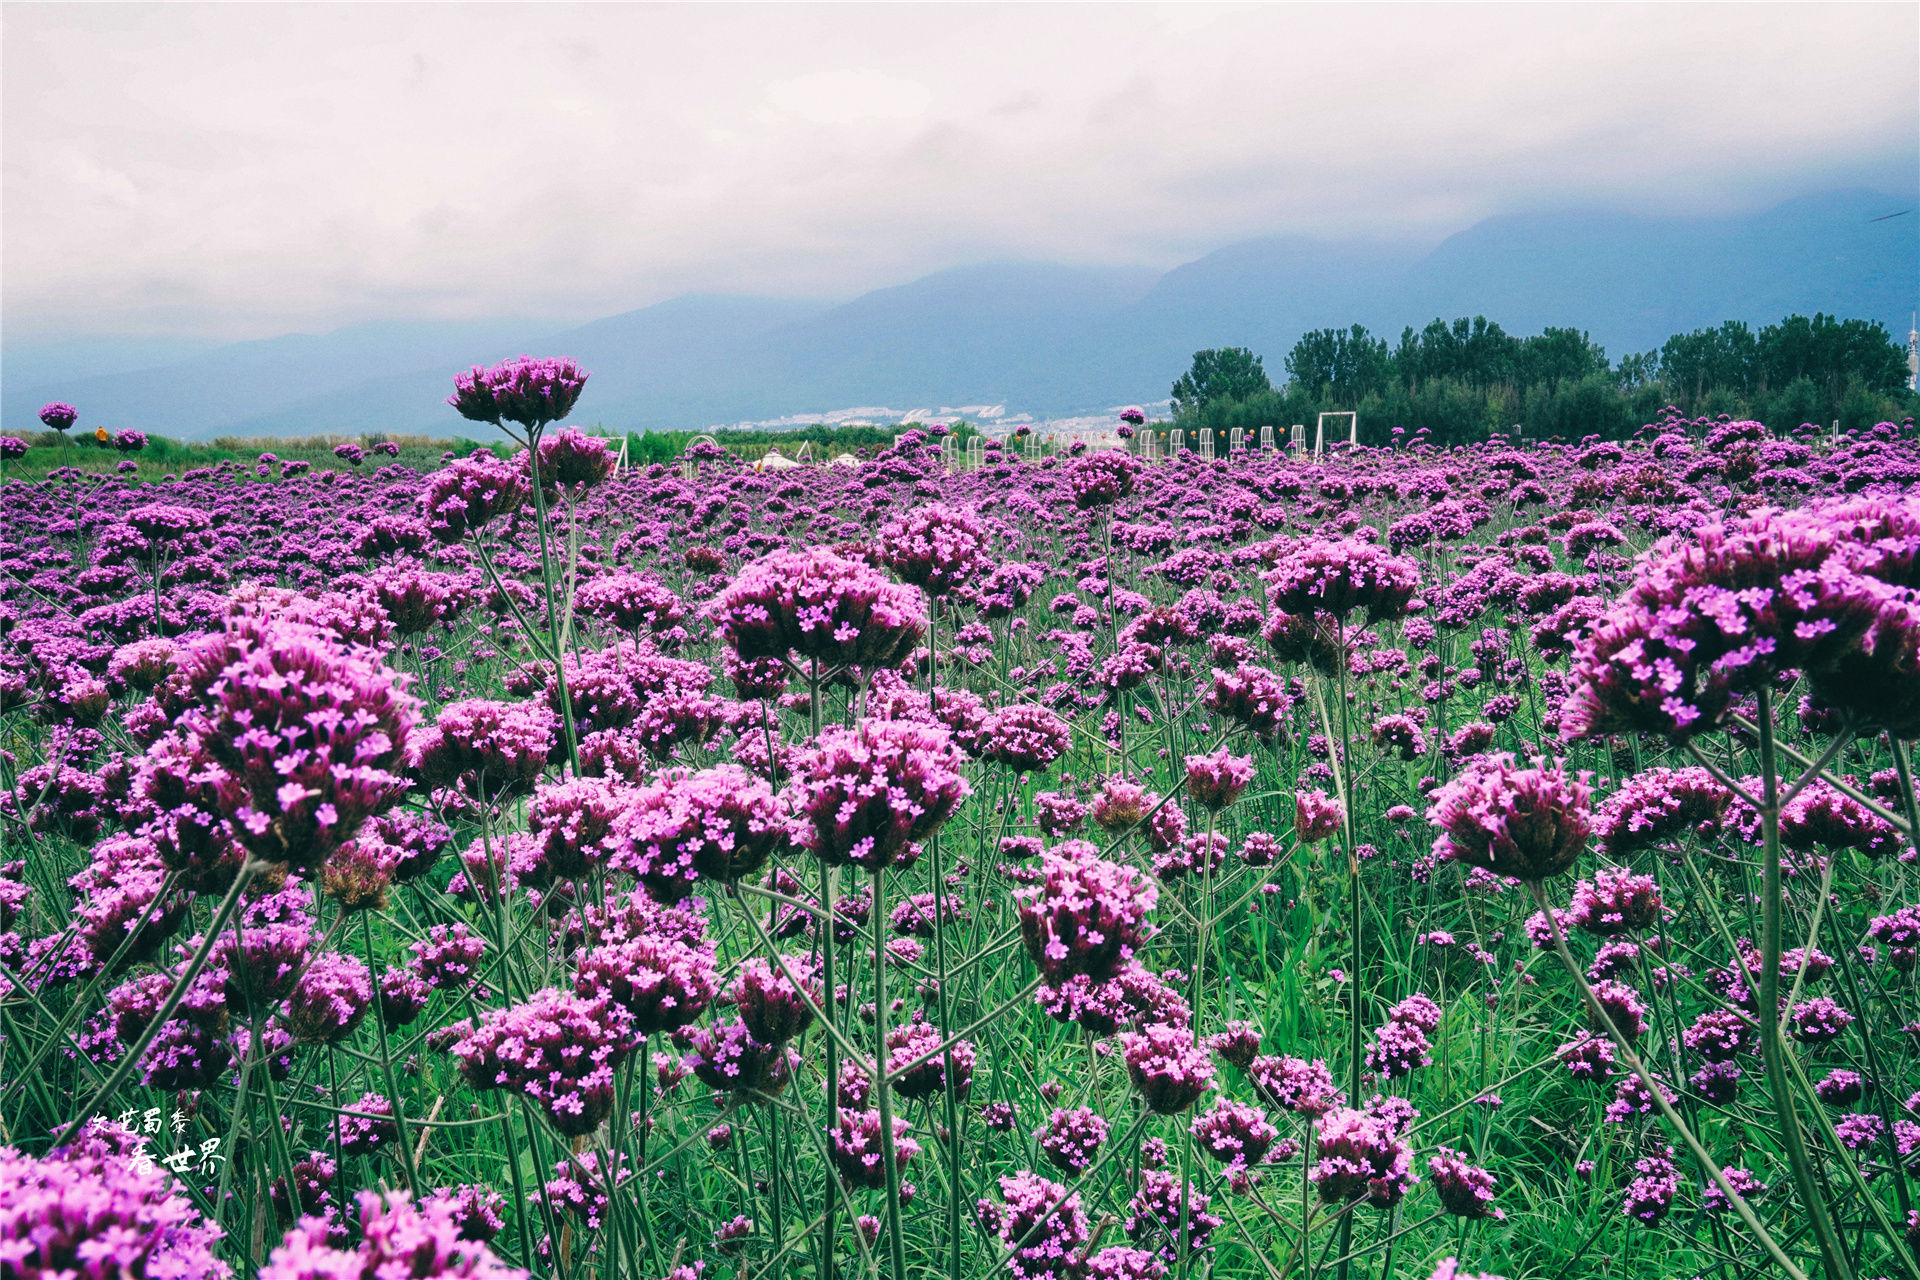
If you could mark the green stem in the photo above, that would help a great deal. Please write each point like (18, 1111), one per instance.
(165, 1012)
(1772, 1049)
(895, 1244)
(1654, 1090)
(553, 611)
(386, 1060)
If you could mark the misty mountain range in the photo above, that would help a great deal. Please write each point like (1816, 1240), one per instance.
(1041, 338)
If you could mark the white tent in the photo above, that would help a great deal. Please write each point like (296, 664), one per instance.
(775, 461)
(845, 460)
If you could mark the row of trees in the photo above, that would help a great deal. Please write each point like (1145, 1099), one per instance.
(1464, 379)
(664, 446)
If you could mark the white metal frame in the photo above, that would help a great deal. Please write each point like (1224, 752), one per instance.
(1320, 434)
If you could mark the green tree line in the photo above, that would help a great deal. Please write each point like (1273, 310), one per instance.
(664, 446)
(1465, 379)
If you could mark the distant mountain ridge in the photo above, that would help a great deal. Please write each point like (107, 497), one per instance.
(1042, 338)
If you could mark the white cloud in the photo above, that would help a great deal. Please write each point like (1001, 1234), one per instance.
(849, 97)
(247, 169)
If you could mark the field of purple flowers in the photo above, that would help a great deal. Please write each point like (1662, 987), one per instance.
(1411, 862)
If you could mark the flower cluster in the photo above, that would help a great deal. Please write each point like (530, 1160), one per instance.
(556, 1048)
(1526, 823)
(1360, 1154)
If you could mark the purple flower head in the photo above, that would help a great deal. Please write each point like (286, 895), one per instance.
(1623, 1008)
(1631, 1098)
(100, 1208)
(719, 824)
(12, 447)
(916, 1040)
(427, 1241)
(1615, 901)
(313, 730)
(1465, 1189)
(58, 415)
(1361, 1155)
(330, 999)
(631, 602)
(260, 968)
(415, 839)
(1250, 696)
(403, 997)
(999, 1117)
(574, 460)
(1311, 638)
(1058, 814)
(573, 822)
(1260, 849)
(185, 1055)
(857, 1153)
(465, 496)
(1216, 781)
(1399, 1048)
(1526, 823)
(663, 982)
(1750, 1188)
(1163, 1202)
(417, 601)
(1650, 1195)
(1659, 805)
(936, 547)
(478, 1212)
(489, 749)
(526, 391)
(1133, 415)
(1120, 804)
(865, 793)
(727, 1058)
(1167, 1068)
(1719, 1035)
(1087, 916)
(1238, 1043)
(1400, 734)
(1817, 1021)
(1316, 816)
(1025, 738)
(311, 1178)
(837, 611)
(161, 522)
(1822, 816)
(578, 1188)
(1102, 478)
(356, 874)
(772, 1008)
(1132, 995)
(1071, 1139)
(1040, 1224)
(556, 1048)
(447, 957)
(1339, 578)
(1841, 1088)
(1450, 1268)
(1900, 934)
(368, 1128)
(1234, 1133)
(1732, 605)
(1295, 1084)
(1119, 1262)
(1588, 1058)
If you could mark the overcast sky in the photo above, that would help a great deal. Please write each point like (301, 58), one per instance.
(246, 170)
